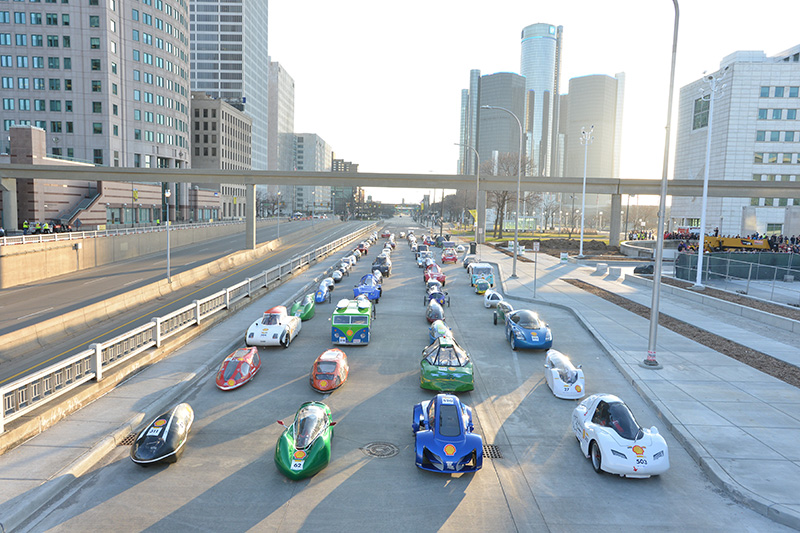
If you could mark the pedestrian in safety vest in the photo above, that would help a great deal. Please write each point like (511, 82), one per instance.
(38, 228)
(45, 228)
(25, 227)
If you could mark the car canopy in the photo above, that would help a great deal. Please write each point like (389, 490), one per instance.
(528, 319)
(309, 423)
(445, 352)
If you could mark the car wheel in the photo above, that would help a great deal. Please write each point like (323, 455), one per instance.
(287, 340)
(596, 456)
(513, 342)
(495, 318)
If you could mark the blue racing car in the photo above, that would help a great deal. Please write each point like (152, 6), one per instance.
(369, 287)
(524, 329)
(444, 438)
(324, 290)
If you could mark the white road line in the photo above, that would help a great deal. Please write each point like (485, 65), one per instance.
(187, 264)
(132, 282)
(36, 313)
(92, 281)
(516, 366)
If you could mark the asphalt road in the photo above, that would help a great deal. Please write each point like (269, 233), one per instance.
(227, 481)
(83, 288)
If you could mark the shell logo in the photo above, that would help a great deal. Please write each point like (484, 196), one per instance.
(323, 383)
(638, 450)
(349, 332)
(449, 449)
(299, 455)
(159, 423)
(577, 388)
(231, 383)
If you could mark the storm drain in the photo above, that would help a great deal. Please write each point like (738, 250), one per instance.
(127, 441)
(381, 450)
(492, 451)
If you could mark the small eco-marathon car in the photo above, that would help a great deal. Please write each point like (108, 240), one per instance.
(524, 329)
(445, 366)
(368, 286)
(304, 308)
(434, 311)
(275, 328)
(329, 371)
(611, 437)
(164, 438)
(304, 448)
(449, 255)
(438, 329)
(501, 310)
(562, 377)
(351, 322)
(238, 368)
(434, 271)
(481, 286)
(480, 271)
(324, 290)
(443, 436)
(491, 298)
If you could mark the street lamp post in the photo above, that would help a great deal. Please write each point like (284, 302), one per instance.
(519, 179)
(167, 194)
(278, 211)
(650, 361)
(586, 140)
(712, 86)
(477, 187)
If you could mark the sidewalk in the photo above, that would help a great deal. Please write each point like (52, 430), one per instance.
(38, 470)
(740, 425)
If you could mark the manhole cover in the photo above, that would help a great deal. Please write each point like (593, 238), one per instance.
(491, 451)
(127, 441)
(381, 450)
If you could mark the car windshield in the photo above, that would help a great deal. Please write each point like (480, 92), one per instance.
(230, 369)
(529, 320)
(359, 320)
(329, 377)
(622, 421)
(481, 270)
(309, 299)
(328, 367)
(369, 279)
(435, 311)
(310, 422)
(270, 319)
(341, 319)
(447, 355)
(566, 371)
(449, 424)
(434, 284)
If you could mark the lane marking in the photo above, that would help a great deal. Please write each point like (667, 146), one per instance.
(36, 313)
(132, 282)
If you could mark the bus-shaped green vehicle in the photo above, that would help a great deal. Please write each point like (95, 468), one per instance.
(351, 321)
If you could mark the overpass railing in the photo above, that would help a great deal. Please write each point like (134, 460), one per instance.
(33, 391)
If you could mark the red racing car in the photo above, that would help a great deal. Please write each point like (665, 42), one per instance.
(238, 368)
(329, 371)
(434, 271)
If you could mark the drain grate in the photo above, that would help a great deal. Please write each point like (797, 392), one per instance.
(492, 451)
(381, 450)
(127, 441)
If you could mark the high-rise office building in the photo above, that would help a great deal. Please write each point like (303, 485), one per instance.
(229, 60)
(107, 81)
(540, 65)
(755, 137)
(497, 131)
(281, 138)
(313, 154)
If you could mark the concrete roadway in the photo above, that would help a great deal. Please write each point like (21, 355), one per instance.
(226, 480)
(65, 294)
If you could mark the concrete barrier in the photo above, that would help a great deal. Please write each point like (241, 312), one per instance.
(601, 268)
(614, 272)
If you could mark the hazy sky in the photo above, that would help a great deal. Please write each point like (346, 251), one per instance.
(381, 82)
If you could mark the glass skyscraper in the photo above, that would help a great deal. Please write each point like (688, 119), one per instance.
(540, 64)
(229, 60)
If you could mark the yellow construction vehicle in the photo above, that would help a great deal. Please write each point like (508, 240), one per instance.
(734, 244)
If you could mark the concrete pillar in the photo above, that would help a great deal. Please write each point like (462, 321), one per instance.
(481, 208)
(9, 188)
(614, 226)
(250, 217)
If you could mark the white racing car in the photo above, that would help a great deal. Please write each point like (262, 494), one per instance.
(562, 377)
(611, 438)
(491, 298)
(275, 328)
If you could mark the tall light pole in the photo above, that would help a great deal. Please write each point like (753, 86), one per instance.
(167, 194)
(519, 179)
(278, 210)
(650, 361)
(586, 140)
(477, 187)
(712, 89)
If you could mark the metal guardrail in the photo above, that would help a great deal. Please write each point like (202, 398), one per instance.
(78, 235)
(30, 392)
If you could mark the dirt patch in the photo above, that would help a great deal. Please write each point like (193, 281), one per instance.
(594, 250)
(760, 361)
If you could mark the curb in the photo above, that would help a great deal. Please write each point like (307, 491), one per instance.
(717, 475)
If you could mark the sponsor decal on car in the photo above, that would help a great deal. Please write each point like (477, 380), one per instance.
(323, 383)
(638, 450)
(449, 450)
(159, 423)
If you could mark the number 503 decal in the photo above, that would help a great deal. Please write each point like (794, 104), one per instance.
(641, 461)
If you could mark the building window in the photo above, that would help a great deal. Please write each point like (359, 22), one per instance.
(39, 105)
(793, 92)
(94, 21)
(65, 20)
(37, 40)
(55, 84)
(778, 92)
(52, 41)
(70, 128)
(788, 136)
(772, 158)
(98, 156)
(97, 86)
(51, 18)
(762, 114)
(115, 110)
(97, 107)
(774, 136)
(53, 62)
(761, 135)
(791, 114)
(95, 63)
(116, 131)
(764, 92)
(68, 106)
(55, 126)
(66, 42)
(137, 134)
(94, 43)
(787, 159)
(97, 128)
(21, 39)
(55, 105)
(67, 63)
(758, 158)
(777, 114)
